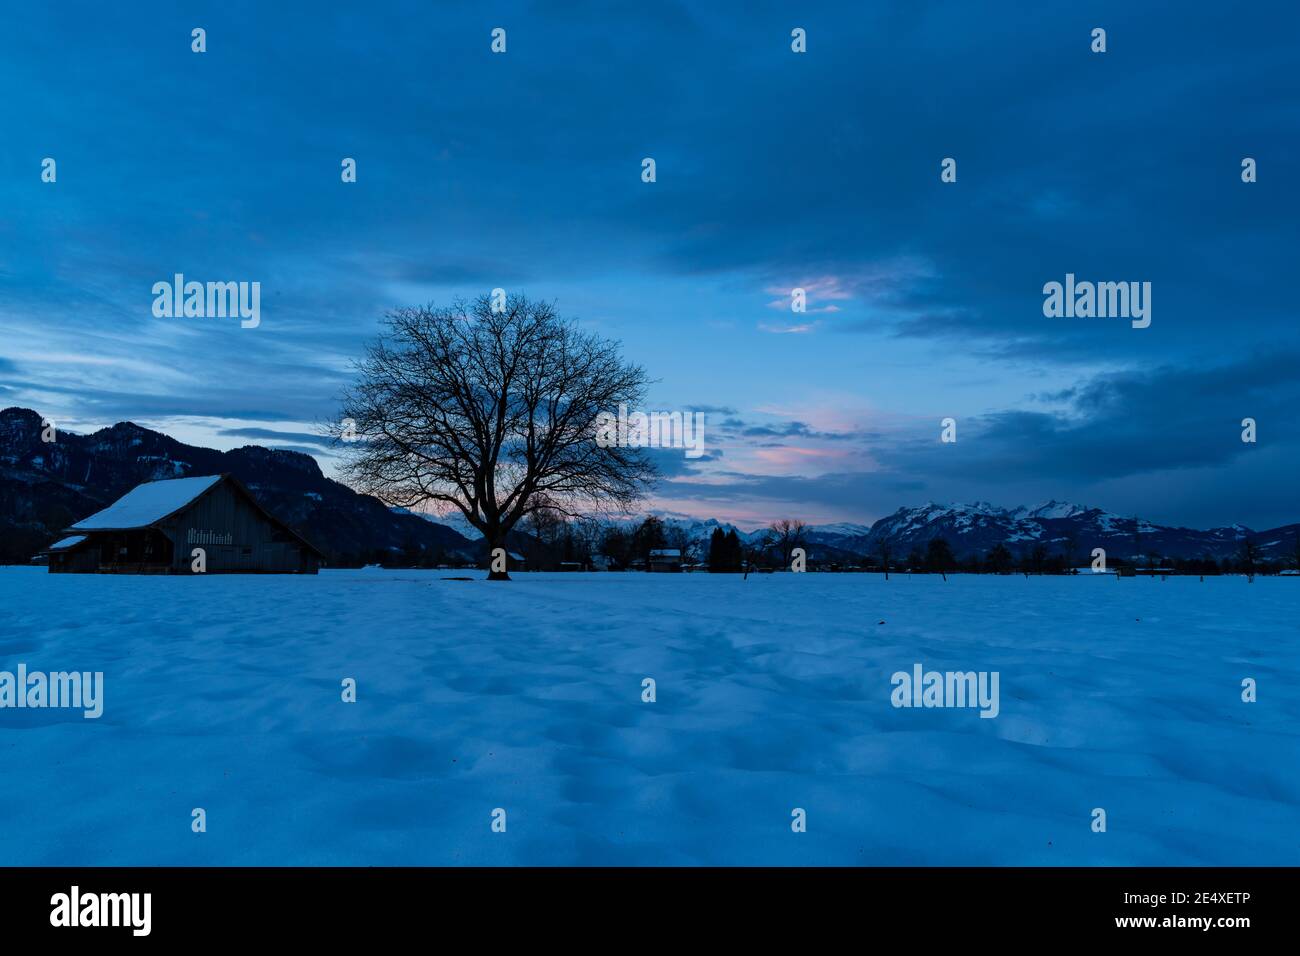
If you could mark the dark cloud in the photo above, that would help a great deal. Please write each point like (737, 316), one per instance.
(672, 463)
(476, 171)
(268, 435)
(1165, 442)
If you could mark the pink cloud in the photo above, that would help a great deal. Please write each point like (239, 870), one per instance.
(792, 456)
(816, 290)
(822, 287)
(787, 329)
(825, 412)
(872, 282)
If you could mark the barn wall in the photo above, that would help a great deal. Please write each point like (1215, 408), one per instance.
(81, 559)
(255, 543)
(147, 553)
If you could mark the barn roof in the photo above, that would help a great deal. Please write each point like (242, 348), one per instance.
(147, 504)
(65, 543)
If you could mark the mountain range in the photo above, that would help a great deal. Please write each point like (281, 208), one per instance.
(47, 486)
(971, 529)
(1059, 528)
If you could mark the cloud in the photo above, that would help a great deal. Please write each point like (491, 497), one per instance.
(1160, 441)
(271, 435)
(786, 456)
(790, 429)
(799, 329)
(774, 171)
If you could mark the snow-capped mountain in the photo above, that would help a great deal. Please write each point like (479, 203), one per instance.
(968, 528)
(844, 529)
(1060, 527)
(1052, 509)
(700, 531)
(44, 487)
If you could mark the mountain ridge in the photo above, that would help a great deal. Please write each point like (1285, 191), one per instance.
(47, 486)
(976, 528)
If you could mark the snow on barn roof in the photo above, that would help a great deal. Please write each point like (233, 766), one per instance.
(66, 543)
(147, 503)
(665, 553)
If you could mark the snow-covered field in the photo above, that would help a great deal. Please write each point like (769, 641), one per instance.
(772, 694)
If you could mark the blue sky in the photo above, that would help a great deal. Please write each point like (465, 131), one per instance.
(774, 170)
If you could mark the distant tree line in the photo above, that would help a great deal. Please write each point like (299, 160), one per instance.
(550, 540)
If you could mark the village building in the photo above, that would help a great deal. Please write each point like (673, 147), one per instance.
(157, 526)
(665, 559)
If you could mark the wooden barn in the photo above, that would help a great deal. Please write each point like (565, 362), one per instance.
(155, 528)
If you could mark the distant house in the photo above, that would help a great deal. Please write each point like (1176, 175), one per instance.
(665, 559)
(514, 561)
(156, 527)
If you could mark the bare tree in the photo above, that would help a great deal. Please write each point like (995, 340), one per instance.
(1249, 557)
(587, 534)
(616, 544)
(649, 536)
(939, 556)
(492, 412)
(547, 526)
(755, 551)
(678, 537)
(787, 535)
(1070, 549)
(886, 552)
